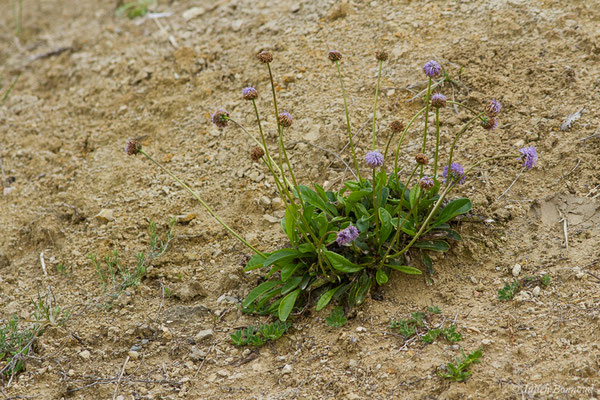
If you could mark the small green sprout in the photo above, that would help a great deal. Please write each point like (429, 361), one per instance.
(461, 371)
(336, 318)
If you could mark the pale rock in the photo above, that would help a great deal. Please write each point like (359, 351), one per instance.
(361, 329)
(85, 354)
(264, 201)
(536, 291)
(287, 369)
(105, 215)
(516, 270)
(193, 13)
(203, 334)
(134, 355)
(271, 218)
(223, 372)
(352, 363)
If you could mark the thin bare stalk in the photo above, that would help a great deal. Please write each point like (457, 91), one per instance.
(376, 96)
(339, 70)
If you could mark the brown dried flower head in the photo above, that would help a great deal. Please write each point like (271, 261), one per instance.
(256, 153)
(397, 126)
(381, 55)
(335, 55)
(265, 57)
(422, 159)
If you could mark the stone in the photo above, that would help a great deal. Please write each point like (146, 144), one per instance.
(264, 201)
(536, 291)
(192, 13)
(361, 329)
(516, 270)
(203, 334)
(105, 216)
(223, 372)
(271, 218)
(85, 354)
(287, 369)
(352, 363)
(134, 355)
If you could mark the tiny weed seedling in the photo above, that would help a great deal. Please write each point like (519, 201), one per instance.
(337, 318)
(134, 9)
(257, 337)
(343, 243)
(47, 313)
(15, 344)
(421, 324)
(509, 290)
(9, 89)
(115, 276)
(461, 371)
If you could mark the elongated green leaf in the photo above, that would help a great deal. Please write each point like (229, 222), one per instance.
(259, 290)
(312, 197)
(356, 196)
(381, 277)
(288, 270)
(365, 285)
(454, 208)
(405, 269)
(291, 284)
(435, 245)
(257, 261)
(326, 298)
(386, 225)
(341, 263)
(283, 256)
(287, 304)
(289, 224)
(414, 195)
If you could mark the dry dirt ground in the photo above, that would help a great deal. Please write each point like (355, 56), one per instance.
(90, 80)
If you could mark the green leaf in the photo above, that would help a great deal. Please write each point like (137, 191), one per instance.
(289, 224)
(311, 197)
(291, 284)
(454, 208)
(258, 291)
(336, 318)
(405, 269)
(326, 298)
(386, 224)
(435, 245)
(381, 277)
(288, 270)
(357, 196)
(414, 195)
(257, 261)
(287, 304)
(282, 256)
(341, 263)
(365, 285)
(361, 210)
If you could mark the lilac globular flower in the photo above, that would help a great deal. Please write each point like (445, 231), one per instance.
(529, 156)
(374, 159)
(493, 108)
(455, 175)
(285, 119)
(132, 147)
(347, 235)
(249, 93)
(438, 100)
(220, 118)
(489, 123)
(432, 69)
(426, 182)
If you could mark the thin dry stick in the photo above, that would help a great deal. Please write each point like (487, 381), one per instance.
(120, 377)
(162, 300)
(163, 30)
(511, 185)
(43, 263)
(565, 223)
(205, 357)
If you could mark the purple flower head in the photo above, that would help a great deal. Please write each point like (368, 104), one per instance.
(489, 123)
(432, 69)
(285, 119)
(493, 108)
(132, 147)
(220, 118)
(347, 235)
(426, 182)
(438, 100)
(249, 93)
(456, 174)
(529, 156)
(374, 159)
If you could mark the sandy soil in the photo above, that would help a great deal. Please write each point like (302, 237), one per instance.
(90, 80)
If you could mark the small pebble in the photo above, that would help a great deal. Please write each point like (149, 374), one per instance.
(536, 291)
(516, 270)
(287, 369)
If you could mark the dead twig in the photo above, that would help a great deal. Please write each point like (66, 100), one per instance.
(120, 377)
(43, 263)
(511, 185)
(205, 357)
(162, 300)
(565, 227)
